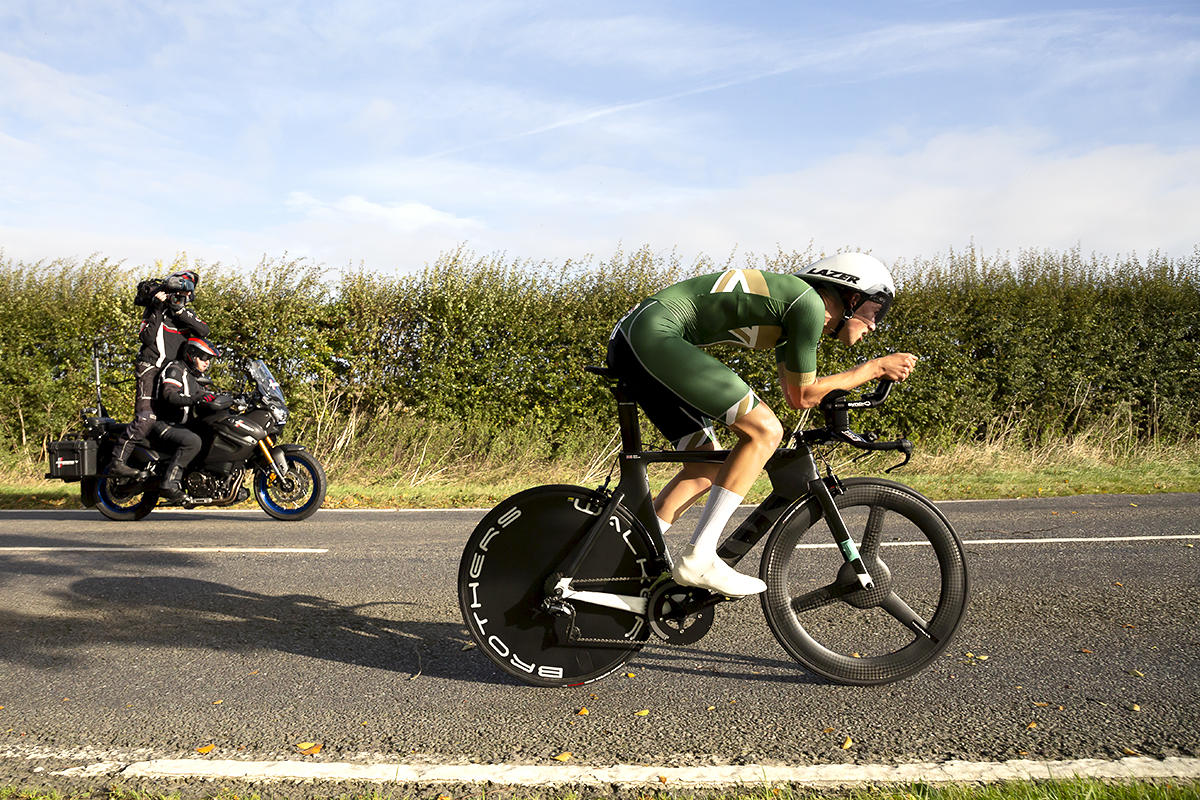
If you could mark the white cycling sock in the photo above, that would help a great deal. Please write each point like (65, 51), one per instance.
(663, 525)
(713, 518)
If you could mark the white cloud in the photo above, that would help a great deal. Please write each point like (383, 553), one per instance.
(1005, 191)
(404, 218)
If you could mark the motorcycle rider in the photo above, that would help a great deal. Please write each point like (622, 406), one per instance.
(180, 390)
(167, 323)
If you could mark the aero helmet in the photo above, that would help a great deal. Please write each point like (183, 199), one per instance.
(199, 348)
(852, 274)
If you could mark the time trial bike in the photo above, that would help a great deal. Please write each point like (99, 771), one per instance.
(866, 579)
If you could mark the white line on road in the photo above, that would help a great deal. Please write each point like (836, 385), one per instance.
(823, 775)
(1064, 540)
(162, 550)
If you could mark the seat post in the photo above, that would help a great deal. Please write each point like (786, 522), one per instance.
(627, 417)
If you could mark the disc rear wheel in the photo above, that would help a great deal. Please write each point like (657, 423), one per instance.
(511, 564)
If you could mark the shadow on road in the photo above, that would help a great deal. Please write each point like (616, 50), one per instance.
(174, 612)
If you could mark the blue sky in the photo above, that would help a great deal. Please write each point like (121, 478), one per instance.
(385, 133)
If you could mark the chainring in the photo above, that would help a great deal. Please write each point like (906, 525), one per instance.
(680, 614)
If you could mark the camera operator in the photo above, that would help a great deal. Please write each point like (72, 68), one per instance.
(167, 323)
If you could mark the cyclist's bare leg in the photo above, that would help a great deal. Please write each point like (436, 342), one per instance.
(689, 485)
(759, 434)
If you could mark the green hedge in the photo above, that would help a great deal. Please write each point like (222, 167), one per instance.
(1045, 343)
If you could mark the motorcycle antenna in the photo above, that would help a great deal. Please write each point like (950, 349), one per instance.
(100, 409)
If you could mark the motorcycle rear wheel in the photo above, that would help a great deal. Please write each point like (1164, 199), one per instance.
(299, 494)
(123, 499)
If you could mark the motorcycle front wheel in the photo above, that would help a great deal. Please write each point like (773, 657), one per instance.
(298, 494)
(123, 499)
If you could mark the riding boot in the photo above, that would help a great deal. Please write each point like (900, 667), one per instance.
(170, 487)
(118, 466)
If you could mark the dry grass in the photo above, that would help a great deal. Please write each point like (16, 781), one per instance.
(413, 464)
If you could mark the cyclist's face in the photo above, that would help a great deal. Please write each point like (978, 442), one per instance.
(854, 330)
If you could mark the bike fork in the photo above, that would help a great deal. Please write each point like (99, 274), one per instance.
(845, 543)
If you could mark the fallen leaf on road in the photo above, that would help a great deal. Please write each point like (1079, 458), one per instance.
(1031, 726)
(846, 745)
(208, 748)
(583, 712)
(662, 778)
(1135, 673)
(563, 756)
(1129, 752)
(642, 713)
(217, 702)
(309, 748)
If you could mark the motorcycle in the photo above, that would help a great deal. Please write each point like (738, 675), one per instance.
(239, 438)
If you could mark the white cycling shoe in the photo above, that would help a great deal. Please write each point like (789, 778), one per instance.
(707, 571)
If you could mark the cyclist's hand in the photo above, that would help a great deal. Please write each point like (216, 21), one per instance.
(897, 366)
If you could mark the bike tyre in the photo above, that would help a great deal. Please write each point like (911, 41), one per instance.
(306, 466)
(510, 559)
(116, 507)
(853, 640)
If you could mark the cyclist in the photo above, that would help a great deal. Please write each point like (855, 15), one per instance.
(180, 390)
(656, 350)
(167, 323)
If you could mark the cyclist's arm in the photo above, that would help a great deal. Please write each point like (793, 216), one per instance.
(800, 395)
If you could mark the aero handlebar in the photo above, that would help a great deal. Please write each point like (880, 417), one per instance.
(836, 408)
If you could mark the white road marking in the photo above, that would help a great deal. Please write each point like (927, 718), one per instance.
(822, 775)
(162, 550)
(1063, 540)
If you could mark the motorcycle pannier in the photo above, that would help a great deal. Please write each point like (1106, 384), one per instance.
(72, 458)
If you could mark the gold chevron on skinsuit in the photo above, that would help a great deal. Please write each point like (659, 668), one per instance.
(751, 281)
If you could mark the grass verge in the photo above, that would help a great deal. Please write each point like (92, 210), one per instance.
(458, 476)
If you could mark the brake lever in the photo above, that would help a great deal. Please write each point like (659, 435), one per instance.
(906, 447)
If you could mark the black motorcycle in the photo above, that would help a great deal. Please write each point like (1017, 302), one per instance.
(239, 436)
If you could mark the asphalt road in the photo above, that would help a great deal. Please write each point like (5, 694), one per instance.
(145, 640)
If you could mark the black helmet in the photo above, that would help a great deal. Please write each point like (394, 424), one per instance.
(197, 348)
(183, 284)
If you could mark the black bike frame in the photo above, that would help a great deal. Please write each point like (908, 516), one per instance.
(792, 472)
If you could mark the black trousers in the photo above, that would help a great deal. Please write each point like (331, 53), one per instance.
(186, 442)
(143, 410)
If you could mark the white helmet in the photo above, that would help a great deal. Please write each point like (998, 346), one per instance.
(855, 274)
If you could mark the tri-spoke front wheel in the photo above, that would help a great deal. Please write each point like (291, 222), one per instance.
(833, 626)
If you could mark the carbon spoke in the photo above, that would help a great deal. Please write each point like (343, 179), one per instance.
(821, 597)
(899, 609)
(871, 535)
